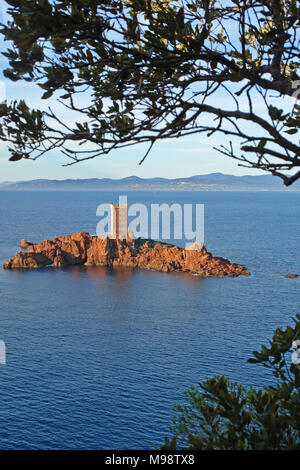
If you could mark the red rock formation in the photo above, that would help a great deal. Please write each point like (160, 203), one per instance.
(84, 249)
(25, 244)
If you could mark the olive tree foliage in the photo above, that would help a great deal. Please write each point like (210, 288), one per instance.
(148, 70)
(223, 415)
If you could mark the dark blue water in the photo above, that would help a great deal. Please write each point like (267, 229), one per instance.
(97, 358)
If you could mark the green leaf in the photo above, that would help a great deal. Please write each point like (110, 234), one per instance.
(275, 113)
(180, 18)
(15, 157)
(262, 144)
(47, 95)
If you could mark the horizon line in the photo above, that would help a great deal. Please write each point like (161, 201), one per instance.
(135, 176)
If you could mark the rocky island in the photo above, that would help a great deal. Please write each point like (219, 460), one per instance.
(91, 250)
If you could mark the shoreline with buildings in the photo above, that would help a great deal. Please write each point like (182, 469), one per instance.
(209, 182)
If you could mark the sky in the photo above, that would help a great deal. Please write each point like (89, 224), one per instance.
(187, 156)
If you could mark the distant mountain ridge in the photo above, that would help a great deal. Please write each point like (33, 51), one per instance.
(211, 181)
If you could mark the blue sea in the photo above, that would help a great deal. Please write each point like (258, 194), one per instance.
(96, 358)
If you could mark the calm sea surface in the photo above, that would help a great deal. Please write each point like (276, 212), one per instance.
(97, 358)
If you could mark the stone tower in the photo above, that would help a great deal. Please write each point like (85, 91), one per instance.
(118, 217)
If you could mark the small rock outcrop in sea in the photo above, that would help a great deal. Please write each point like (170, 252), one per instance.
(89, 250)
(291, 276)
(25, 244)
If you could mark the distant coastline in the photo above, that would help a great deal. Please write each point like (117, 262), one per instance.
(209, 182)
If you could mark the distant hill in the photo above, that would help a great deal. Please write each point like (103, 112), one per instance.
(210, 182)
